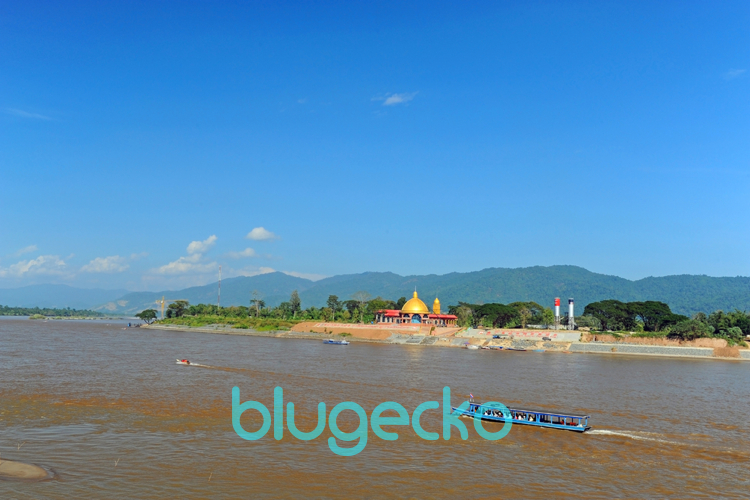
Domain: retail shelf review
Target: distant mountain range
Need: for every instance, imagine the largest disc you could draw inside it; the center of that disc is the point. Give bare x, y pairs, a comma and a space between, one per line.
686, 294
57, 296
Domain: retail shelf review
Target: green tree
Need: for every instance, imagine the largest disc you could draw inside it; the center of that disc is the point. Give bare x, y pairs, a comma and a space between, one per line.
334, 305
400, 303
295, 304
257, 302
177, 309
465, 316
379, 303
284, 310
733, 334
613, 314
327, 314
587, 322
690, 329
361, 297
499, 314
654, 315
548, 316
732, 326
535, 311
148, 315
525, 314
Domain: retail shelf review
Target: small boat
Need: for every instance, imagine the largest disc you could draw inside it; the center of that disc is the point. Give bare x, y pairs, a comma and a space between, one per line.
335, 342
492, 413
472, 347
514, 349
183, 362
538, 350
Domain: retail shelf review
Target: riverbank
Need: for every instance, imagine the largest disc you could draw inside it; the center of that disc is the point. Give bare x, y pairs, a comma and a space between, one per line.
460, 340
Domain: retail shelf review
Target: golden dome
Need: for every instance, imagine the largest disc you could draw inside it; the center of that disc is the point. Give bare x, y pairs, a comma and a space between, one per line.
415, 306
436, 306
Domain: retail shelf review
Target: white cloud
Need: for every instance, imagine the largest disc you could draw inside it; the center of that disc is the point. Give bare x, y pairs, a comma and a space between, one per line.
734, 73
26, 114
42, 265
24, 250
190, 264
194, 262
198, 247
248, 252
111, 264
307, 276
393, 99
261, 234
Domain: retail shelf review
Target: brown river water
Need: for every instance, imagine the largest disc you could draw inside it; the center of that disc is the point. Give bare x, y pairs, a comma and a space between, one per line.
111, 414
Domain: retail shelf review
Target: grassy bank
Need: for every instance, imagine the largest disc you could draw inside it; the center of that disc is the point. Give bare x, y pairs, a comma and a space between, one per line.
248, 323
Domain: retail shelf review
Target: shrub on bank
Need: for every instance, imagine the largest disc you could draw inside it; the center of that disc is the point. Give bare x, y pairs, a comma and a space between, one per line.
258, 324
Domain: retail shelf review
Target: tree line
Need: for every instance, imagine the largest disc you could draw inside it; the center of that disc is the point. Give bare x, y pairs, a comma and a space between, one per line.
657, 318
361, 308
48, 311
648, 318
496, 315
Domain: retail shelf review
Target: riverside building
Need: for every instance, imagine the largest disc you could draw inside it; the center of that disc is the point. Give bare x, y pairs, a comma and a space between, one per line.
415, 311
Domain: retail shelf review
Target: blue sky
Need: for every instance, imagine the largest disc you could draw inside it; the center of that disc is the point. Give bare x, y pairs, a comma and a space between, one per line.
141, 143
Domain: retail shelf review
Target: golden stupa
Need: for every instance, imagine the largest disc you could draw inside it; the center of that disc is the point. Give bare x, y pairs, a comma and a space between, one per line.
415, 306
436, 306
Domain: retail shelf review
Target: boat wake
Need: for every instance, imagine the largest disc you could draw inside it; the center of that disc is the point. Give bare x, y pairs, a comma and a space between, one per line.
640, 436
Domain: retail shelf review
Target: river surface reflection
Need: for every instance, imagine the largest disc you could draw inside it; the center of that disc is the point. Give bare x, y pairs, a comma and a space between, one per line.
111, 413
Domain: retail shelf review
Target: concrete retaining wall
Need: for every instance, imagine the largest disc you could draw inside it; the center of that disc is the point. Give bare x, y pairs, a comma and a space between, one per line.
703, 352
744, 354
555, 335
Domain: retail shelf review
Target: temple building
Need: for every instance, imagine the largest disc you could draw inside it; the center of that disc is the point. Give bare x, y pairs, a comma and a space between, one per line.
415, 311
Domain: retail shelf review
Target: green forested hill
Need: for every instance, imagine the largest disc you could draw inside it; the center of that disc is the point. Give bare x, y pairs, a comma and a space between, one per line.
686, 294
275, 287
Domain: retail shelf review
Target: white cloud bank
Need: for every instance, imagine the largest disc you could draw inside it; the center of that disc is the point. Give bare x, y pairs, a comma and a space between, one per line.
250, 271
201, 246
26, 114
111, 264
393, 99
50, 265
25, 250
307, 276
261, 234
248, 252
734, 73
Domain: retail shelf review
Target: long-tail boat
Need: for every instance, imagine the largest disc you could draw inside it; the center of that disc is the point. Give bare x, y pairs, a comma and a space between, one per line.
538, 418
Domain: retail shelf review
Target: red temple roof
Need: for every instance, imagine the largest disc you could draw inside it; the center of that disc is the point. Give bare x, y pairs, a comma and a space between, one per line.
391, 313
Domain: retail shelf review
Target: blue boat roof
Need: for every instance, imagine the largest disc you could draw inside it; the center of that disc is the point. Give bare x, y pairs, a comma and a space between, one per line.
540, 412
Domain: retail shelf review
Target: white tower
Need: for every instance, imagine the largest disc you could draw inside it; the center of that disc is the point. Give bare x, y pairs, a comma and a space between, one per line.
571, 316
557, 313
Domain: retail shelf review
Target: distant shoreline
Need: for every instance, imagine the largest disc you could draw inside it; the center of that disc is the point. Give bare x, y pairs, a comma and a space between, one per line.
562, 347
79, 318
